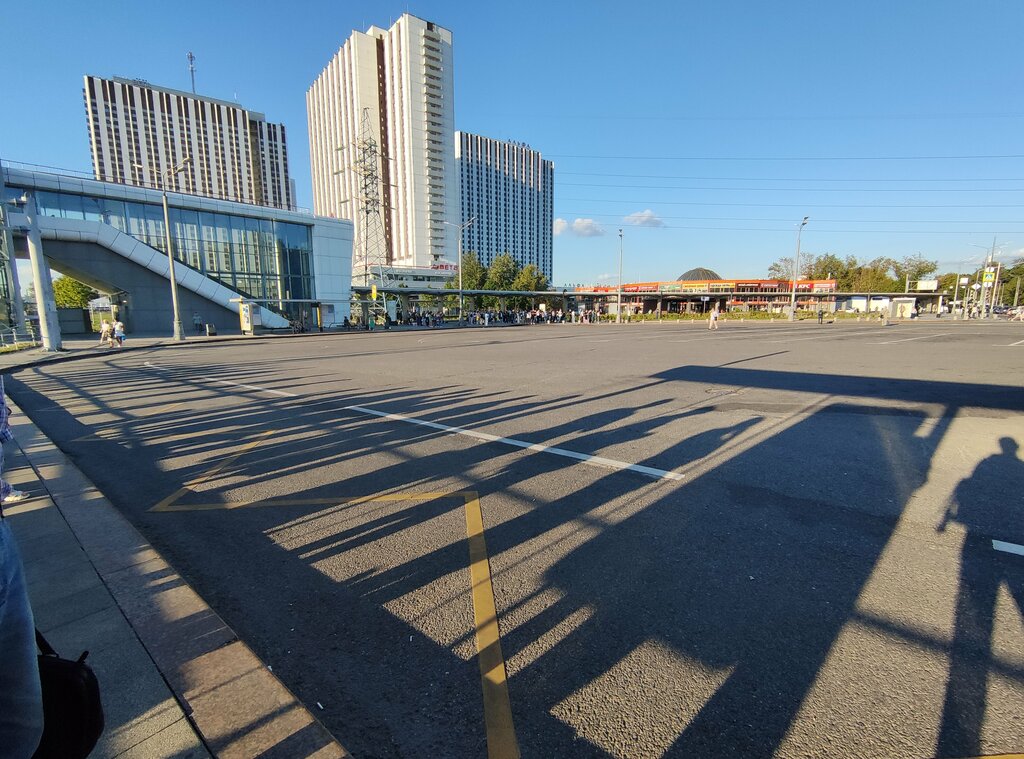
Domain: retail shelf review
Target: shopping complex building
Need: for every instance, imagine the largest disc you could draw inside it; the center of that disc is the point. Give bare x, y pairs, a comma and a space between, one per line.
700, 290
112, 237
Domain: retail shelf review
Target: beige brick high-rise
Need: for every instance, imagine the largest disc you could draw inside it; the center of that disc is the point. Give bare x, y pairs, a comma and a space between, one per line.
138, 131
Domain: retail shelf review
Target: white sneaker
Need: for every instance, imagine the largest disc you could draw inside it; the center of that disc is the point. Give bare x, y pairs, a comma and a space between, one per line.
16, 495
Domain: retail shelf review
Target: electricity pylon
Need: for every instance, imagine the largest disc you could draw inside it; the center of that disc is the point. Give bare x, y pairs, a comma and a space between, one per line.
370, 264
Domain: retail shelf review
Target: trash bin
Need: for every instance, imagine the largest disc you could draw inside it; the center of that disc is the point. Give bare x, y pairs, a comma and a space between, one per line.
211, 330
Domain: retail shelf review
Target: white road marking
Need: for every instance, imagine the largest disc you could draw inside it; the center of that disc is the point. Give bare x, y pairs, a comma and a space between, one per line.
253, 387
908, 339
1011, 345
586, 458
1000, 545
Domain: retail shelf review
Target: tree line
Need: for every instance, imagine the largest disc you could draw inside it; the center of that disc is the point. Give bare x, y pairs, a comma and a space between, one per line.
887, 275
504, 273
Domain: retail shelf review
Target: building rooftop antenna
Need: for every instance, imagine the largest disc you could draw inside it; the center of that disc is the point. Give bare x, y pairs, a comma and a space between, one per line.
192, 69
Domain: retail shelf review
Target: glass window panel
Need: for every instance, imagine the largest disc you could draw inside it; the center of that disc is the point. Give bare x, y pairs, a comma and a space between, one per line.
136, 220
155, 227
185, 230
246, 285
236, 224
93, 209
48, 203
209, 243
71, 205
112, 212
10, 193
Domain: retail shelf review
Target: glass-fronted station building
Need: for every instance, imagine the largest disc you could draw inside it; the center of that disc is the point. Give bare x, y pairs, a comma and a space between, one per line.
112, 237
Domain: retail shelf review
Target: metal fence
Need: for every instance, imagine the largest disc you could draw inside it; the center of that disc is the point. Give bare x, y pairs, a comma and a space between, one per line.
15, 337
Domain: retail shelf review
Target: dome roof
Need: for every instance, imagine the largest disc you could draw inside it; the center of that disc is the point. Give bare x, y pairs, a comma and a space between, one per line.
699, 274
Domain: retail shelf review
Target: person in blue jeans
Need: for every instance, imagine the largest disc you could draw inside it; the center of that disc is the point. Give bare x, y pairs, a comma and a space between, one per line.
21, 699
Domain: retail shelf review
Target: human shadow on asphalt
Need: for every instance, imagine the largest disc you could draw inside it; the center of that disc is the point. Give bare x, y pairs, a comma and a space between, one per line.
987, 504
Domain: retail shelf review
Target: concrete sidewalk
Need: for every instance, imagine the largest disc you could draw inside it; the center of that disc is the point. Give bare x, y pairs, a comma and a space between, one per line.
175, 679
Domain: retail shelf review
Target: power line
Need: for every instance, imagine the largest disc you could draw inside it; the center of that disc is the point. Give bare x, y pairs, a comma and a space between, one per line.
793, 189
790, 158
788, 230
817, 220
760, 117
776, 179
634, 201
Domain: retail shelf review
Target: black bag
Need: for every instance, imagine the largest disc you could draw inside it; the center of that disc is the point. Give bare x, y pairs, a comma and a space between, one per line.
72, 712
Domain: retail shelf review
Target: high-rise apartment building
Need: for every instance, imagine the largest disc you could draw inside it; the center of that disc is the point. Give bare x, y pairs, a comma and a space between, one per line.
400, 79
138, 132
507, 190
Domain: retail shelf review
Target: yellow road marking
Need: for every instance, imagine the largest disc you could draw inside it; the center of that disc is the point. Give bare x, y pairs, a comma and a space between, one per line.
167, 503
157, 411
501, 734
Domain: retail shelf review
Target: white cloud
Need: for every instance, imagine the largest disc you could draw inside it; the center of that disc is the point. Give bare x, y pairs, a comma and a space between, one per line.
559, 226
605, 277
586, 228
644, 219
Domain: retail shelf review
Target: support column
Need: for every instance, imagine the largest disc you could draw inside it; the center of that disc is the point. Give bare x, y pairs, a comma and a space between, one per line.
49, 326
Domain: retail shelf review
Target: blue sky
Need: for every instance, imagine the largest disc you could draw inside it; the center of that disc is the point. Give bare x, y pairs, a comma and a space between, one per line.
705, 130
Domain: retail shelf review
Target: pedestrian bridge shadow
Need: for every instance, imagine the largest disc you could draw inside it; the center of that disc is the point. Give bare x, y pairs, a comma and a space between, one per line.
686, 620
742, 579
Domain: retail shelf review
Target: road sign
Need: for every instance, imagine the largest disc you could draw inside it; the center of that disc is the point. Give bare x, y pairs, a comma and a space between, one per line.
975, 286
705, 298
964, 280
373, 292
988, 276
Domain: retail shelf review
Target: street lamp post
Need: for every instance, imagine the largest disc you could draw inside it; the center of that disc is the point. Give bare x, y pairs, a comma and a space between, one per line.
169, 175
796, 271
618, 308
956, 290
464, 225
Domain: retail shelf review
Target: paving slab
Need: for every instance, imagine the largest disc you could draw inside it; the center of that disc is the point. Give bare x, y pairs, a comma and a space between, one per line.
175, 680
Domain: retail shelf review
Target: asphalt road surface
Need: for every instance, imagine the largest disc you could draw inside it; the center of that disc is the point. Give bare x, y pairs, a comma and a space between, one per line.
769, 540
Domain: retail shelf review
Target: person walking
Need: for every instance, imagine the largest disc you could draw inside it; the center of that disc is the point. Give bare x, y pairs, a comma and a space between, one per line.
119, 333
21, 698
713, 318
197, 322
106, 330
